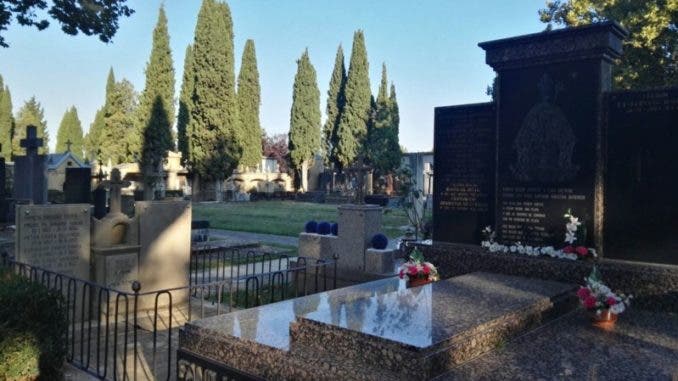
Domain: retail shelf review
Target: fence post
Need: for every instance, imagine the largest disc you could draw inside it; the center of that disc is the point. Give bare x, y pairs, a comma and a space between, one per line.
136, 286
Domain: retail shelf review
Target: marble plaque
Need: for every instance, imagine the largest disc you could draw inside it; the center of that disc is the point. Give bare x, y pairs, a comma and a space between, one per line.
641, 218
54, 237
464, 139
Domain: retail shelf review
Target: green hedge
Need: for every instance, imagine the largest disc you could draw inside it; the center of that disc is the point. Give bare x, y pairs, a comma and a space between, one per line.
33, 330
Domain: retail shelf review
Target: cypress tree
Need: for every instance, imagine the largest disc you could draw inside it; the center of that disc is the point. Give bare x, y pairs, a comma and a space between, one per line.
213, 151
249, 99
304, 138
381, 151
356, 114
185, 104
94, 138
31, 113
118, 124
6, 121
156, 108
335, 105
70, 130
393, 151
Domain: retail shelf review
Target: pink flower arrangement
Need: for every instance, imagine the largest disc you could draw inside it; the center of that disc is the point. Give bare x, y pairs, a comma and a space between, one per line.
417, 268
597, 297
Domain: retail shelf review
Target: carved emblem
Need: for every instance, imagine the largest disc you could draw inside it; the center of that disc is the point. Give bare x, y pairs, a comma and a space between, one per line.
545, 142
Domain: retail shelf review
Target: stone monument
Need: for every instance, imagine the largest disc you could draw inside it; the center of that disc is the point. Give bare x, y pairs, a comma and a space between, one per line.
30, 171
55, 238
115, 241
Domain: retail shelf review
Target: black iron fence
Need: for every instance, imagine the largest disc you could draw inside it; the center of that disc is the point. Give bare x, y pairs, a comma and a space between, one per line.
112, 335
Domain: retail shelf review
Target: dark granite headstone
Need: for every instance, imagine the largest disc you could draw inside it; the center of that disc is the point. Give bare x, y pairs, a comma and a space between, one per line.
78, 185
641, 221
30, 171
99, 196
464, 156
3, 191
549, 140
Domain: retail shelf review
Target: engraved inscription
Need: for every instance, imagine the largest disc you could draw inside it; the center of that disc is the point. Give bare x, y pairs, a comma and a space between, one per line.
55, 238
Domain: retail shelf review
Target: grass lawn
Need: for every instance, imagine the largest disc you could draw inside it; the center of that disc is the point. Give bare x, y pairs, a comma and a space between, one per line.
281, 217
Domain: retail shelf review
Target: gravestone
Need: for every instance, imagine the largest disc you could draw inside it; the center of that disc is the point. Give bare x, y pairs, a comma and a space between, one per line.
521, 163
642, 175
54, 237
464, 154
549, 149
99, 195
30, 171
78, 185
165, 240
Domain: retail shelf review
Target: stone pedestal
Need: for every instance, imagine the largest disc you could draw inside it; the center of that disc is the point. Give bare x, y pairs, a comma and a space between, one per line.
357, 225
317, 245
116, 266
380, 261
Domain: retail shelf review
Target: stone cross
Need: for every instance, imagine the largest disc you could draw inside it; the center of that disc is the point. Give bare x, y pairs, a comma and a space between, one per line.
69, 143
115, 185
360, 169
32, 142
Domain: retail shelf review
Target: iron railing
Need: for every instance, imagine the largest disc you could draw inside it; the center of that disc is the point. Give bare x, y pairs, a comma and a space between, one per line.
112, 335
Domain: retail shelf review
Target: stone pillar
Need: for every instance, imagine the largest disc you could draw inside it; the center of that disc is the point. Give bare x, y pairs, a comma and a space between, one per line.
369, 183
357, 225
304, 176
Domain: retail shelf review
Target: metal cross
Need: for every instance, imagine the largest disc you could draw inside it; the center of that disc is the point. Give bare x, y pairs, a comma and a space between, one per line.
32, 142
68, 145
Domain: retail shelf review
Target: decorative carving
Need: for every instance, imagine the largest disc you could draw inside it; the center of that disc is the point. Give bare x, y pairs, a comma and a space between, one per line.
545, 142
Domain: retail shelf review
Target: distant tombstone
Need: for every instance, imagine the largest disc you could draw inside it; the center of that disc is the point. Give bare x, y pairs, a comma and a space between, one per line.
78, 185
641, 219
54, 237
464, 188
30, 171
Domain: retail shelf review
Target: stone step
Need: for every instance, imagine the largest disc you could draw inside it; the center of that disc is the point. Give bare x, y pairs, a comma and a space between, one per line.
424, 331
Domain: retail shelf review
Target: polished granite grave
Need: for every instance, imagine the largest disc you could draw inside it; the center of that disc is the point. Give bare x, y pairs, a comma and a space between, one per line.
375, 330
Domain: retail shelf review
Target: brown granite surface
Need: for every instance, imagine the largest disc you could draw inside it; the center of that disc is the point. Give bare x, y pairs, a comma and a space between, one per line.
654, 286
377, 330
643, 346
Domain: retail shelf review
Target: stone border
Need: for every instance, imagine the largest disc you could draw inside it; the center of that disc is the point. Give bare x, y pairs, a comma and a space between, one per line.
654, 286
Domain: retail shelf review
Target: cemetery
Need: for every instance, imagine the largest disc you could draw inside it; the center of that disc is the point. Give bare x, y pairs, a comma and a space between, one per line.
543, 246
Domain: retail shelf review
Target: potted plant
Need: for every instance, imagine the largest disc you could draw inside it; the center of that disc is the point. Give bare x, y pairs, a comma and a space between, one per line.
603, 304
417, 271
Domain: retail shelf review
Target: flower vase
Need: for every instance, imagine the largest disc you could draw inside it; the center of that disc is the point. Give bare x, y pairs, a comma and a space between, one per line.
416, 282
606, 319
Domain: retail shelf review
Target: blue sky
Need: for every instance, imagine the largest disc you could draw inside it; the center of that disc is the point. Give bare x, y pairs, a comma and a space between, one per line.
429, 47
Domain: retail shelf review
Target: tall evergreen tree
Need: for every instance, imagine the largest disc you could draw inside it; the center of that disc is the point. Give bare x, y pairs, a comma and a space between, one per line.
185, 104
304, 138
70, 131
94, 138
356, 114
394, 153
213, 150
376, 143
6, 121
249, 99
156, 108
118, 124
31, 113
335, 106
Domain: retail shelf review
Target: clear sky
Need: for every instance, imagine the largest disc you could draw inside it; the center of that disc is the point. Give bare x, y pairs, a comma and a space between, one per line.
429, 47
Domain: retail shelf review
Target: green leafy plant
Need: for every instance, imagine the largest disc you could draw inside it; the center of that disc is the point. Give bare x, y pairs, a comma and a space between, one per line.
33, 328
